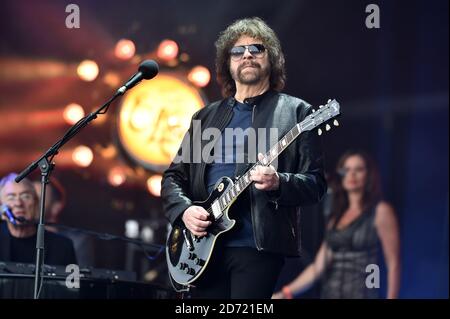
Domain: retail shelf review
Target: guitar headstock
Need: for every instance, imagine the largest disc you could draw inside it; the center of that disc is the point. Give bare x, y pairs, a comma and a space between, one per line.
322, 116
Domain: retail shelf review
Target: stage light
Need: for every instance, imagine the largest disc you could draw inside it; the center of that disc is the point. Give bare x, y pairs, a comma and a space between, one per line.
147, 234
112, 79
124, 49
184, 57
167, 50
131, 228
87, 70
172, 121
141, 117
151, 275
154, 185
73, 113
108, 152
153, 120
82, 156
199, 76
117, 176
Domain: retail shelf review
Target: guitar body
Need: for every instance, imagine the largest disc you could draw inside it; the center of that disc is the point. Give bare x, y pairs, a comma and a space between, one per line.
188, 256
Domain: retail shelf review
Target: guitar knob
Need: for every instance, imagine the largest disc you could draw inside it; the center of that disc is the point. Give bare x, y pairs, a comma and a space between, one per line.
199, 261
192, 256
183, 266
190, 271
336, 123
327, 127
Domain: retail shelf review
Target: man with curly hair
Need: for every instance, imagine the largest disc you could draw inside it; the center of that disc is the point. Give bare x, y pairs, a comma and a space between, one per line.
248, 259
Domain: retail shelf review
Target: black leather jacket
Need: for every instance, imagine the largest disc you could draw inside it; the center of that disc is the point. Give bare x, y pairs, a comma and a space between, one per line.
300, 169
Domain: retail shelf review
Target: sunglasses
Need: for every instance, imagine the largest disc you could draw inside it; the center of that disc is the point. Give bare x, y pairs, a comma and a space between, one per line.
256, 50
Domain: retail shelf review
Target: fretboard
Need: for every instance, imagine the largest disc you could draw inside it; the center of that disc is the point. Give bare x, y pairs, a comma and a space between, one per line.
244, 181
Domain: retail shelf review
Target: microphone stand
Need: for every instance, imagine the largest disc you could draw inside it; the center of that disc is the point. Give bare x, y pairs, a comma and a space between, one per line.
46, 165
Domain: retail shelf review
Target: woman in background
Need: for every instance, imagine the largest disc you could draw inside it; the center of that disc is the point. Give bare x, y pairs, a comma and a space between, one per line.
358, 222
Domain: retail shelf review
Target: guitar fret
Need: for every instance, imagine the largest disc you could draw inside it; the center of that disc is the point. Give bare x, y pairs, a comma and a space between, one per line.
295, 130
274, 152
244, 180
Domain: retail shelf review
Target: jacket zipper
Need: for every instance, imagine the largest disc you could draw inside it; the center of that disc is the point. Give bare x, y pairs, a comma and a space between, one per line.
253, 113
258, 247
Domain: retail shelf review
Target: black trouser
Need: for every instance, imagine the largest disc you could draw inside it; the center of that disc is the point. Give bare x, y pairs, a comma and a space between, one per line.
239, 273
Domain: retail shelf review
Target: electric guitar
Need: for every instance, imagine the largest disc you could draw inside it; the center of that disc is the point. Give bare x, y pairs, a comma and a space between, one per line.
187, 255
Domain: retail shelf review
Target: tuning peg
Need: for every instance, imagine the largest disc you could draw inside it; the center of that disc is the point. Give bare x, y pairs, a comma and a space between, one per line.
320, 106
327, 127
335, 123
329, 100
319, 131
313, 110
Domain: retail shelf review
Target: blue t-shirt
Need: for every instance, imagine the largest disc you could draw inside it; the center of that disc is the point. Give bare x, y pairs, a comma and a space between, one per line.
224, 164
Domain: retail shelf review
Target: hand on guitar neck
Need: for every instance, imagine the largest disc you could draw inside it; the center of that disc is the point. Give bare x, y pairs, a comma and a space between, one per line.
195, 219
265, 177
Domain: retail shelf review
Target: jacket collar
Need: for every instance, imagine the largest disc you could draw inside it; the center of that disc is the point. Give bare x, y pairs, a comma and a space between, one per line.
254, 100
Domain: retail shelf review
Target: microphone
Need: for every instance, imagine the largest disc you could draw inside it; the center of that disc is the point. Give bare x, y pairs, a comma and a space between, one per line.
7, 211
148, 69
12, 219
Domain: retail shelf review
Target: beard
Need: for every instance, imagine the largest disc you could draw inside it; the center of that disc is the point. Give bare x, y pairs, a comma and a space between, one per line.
250, 76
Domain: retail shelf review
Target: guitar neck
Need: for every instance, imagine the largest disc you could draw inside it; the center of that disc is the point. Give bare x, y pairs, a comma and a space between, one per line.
244, 181
329, 111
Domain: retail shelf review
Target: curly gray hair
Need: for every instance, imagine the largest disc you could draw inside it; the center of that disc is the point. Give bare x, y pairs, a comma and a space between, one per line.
258, 29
